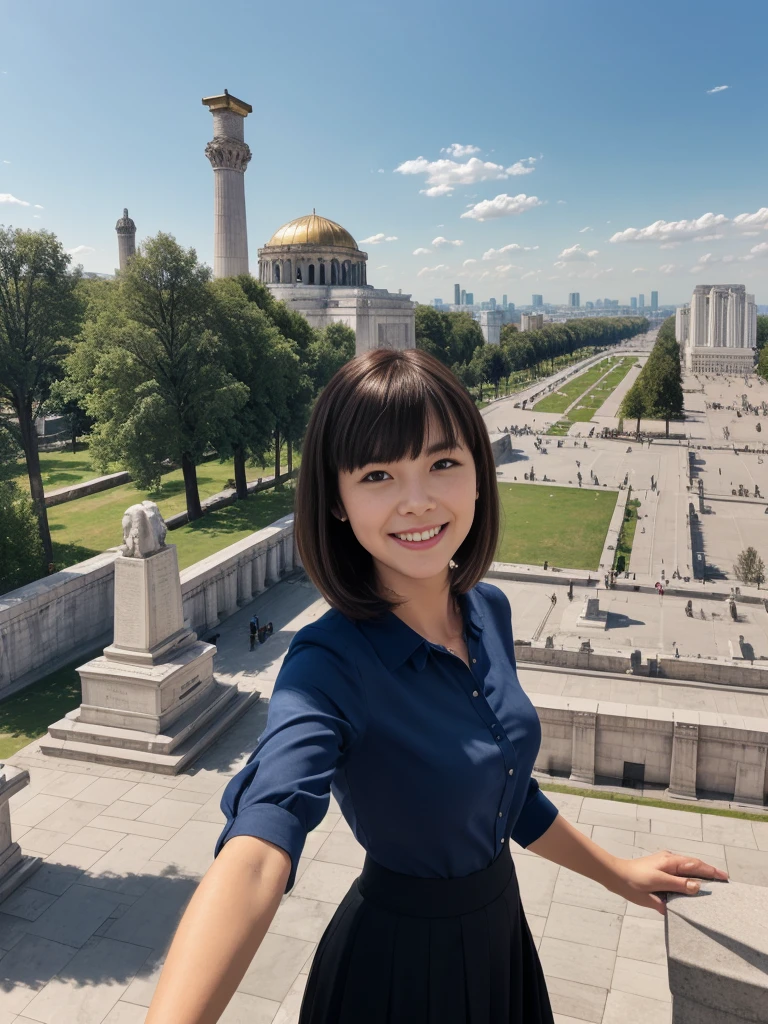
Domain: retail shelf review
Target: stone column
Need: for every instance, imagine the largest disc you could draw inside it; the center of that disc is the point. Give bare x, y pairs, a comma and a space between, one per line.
288, 549
750, 780
230, 591
14, 867
211, 596
244, 577
229, 155
259, 572
272, 575
583, 747
685, 750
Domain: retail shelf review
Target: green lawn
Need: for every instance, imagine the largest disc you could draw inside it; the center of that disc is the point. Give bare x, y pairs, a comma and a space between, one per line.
559, 401
63, 469
564, 525
27, 715
560, 428
589, 405
627, 534
90, 525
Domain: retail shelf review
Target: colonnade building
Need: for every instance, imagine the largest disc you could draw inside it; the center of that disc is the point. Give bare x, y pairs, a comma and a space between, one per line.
717, 332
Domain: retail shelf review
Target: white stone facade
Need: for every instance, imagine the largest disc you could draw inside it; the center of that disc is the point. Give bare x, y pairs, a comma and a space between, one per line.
531, 322
490, 324
721, 330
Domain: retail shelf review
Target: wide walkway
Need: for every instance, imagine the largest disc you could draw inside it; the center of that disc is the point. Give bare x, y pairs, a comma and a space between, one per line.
84, 940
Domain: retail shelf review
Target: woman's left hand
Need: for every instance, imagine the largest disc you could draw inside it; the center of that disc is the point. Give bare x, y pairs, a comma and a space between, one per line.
642, 880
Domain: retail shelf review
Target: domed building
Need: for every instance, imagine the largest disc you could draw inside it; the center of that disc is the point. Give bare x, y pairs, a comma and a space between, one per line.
315, 266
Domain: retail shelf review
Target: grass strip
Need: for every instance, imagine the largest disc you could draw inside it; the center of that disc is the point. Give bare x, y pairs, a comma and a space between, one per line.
558, 401
586, 409
626, 536
621, 798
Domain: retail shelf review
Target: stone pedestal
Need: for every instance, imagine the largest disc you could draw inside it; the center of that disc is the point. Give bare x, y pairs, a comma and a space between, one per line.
750, 780
592, 617
717, 950
685, 752
151, 700
15, 868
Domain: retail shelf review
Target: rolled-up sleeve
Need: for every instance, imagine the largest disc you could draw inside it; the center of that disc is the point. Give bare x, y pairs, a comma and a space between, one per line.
316, 713
537, 814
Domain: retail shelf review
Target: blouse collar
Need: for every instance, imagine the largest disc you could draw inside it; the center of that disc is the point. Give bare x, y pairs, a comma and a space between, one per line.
394, 641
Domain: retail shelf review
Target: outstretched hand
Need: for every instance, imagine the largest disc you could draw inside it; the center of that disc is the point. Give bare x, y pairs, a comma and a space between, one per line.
645, 880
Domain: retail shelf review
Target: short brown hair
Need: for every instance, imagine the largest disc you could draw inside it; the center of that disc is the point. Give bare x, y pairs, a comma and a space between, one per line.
376, 409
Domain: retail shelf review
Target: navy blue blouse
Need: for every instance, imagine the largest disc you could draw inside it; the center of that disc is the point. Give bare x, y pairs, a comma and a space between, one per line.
429, 760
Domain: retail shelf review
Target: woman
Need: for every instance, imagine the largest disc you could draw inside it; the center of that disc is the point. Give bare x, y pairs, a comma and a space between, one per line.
403, 700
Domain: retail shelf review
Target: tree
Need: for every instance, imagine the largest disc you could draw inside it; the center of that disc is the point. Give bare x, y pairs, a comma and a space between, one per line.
464, 336
762, 363
663, 388
164, 393
749, 567
39, 312
21, 549
508, 331
332, 348
633, 406
762, 332
432, 332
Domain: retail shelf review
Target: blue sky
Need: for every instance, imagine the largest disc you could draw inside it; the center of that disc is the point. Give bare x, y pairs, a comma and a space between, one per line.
592, 147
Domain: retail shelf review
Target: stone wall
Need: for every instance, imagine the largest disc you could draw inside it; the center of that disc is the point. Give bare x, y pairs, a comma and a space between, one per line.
69, 614
98, 483
686, 751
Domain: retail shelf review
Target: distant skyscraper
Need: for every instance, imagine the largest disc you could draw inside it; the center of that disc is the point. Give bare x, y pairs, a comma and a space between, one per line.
532, 322
574, 300
493, 303
537, 301
599, 304
126, 239
719, 330
633, 302
510, 307
641, 301
457, 294
470, 298
654, 300
503, 301
437, 302
463, 297
589, 305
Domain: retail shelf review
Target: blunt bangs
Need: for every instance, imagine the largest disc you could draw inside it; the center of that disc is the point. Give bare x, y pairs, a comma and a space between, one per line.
378, 408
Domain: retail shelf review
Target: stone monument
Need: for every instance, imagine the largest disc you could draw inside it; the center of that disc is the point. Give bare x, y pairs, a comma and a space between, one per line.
15, 868
151, 700
592, 617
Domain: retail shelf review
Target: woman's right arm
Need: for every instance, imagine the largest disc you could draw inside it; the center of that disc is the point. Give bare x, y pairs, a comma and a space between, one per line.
220, 932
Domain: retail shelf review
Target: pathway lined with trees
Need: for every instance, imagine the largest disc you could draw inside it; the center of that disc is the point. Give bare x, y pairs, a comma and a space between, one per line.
658, 391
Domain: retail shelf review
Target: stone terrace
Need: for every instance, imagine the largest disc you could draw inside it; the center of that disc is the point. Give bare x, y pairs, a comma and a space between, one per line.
84, 939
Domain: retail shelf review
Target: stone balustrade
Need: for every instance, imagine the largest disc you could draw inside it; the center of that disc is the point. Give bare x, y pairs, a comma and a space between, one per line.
717, 952
686, 751
69, 615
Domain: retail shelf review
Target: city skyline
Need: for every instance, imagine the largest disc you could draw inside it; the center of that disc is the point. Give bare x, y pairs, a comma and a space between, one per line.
506, 204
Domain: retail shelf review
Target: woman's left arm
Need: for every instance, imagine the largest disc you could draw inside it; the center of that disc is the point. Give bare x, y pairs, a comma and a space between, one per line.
640, 880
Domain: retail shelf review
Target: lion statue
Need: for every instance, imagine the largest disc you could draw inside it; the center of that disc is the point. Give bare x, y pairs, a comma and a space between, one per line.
144, 530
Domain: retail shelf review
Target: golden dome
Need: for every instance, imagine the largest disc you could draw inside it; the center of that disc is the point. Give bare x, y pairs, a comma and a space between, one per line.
312, 230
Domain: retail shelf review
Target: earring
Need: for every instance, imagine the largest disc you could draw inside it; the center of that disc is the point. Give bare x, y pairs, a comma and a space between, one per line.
452, 565
343, 519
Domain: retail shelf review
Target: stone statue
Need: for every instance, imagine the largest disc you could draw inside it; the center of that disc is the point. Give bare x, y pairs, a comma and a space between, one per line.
144, 530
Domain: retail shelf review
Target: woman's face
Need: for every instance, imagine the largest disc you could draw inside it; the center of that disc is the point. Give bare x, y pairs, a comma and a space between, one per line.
434, 494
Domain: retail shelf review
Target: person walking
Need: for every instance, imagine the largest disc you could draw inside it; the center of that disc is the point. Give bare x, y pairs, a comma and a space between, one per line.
403, 701
253, 629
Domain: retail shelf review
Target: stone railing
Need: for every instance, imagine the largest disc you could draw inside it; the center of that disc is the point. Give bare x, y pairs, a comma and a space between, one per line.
686, 751
69, 614
717, 952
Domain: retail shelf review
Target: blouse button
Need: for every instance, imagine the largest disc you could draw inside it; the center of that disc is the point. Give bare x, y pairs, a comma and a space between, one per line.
498, 737
502, 840
499, 813
511, 771
474, 661
475, 693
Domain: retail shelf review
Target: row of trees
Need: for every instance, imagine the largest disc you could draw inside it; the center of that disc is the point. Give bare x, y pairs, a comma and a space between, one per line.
657, 393
163, 363
456, 339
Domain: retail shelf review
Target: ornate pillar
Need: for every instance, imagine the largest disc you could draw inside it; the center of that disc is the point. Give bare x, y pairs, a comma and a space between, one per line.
288, 547
259, 572
583, 747
685, 751
244, 577
211, 596
229, 155
273, 574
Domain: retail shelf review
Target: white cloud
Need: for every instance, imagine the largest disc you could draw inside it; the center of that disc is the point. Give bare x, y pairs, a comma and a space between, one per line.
39, 207
444, 175
382, 267
35, 216
525, 166
502, 206
381, 171
640, 271
718, 88
671, 245
670, 230
576, 253
432, 270
6, 197
440, 241
6, 161
468, 263
561, 202
584, 230
456, 149
667, 268
750, 234
709, 238
378, 239
81, 250
759, 219
421, 252
760, 250
491, 254
531, 273
504, 268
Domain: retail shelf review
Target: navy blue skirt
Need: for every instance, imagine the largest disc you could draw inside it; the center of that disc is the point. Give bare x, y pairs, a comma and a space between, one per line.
406, 950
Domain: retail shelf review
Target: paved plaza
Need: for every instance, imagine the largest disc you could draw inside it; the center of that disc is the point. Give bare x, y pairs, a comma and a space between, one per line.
84, 940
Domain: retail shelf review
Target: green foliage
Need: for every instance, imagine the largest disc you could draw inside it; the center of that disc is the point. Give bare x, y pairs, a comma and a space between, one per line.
762, 332
490, 363
633, 406
658, 391
749, 567
21, 549
333, 347
762, 363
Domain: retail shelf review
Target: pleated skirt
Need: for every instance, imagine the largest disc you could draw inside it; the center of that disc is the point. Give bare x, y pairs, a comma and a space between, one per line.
406, 950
